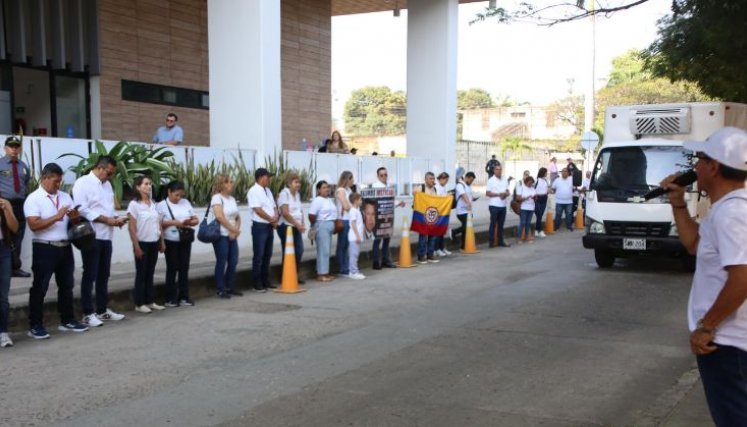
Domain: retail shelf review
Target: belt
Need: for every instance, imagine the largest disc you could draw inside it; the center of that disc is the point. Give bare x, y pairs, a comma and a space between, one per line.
56, 243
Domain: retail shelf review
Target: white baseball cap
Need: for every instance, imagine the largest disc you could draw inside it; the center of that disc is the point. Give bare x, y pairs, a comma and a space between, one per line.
727, 146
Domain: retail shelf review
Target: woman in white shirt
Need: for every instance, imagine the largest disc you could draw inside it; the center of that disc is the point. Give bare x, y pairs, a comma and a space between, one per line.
542, 188
526, 196
226, 211
147, 241
177, 214
342, 199
291, 215
322, 216
8, 224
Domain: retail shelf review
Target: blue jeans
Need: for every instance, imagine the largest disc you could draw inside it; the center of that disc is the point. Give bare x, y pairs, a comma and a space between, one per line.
323, 245
497, 221
525, 223
262, 240
96, 269
297, 244
145, 267
568, 209
724, 377
539, 210
342, 248
226, 259
48, 260
5, 268
381, 248
426, 246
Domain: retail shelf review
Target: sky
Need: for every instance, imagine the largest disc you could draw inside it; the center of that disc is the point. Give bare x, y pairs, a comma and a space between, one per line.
521, 60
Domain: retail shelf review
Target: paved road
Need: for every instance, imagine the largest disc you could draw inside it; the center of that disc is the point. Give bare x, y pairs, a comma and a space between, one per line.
531, 335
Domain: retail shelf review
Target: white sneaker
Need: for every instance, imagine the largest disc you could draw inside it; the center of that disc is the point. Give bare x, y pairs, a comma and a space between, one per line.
143, 309
542, 234
536, 233
155, 306
447, 252
92, 320
356, 276
5, 340
111, 315
439, 253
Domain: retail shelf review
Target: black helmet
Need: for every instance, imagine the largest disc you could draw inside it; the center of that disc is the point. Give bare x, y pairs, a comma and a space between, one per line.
82, 234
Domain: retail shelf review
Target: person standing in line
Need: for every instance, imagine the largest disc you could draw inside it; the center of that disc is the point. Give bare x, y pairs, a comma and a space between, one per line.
464, 204
177, 214
355, 236
585, 187
8, 225
342, 199
563, 190
322, 216
171, 133
147, 242
264, 221
94, 193
14, 177
541, 187
381, 256
225, 210
291, 215
48, 212
427, 244
716, 310
526, 197
443, 179
498, 192
553, 169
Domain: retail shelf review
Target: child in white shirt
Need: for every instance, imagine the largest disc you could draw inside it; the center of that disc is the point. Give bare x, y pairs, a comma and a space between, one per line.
355, 235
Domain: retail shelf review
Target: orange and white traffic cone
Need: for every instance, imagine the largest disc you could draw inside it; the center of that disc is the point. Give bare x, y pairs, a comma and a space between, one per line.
579, 225
289, 283
469, 237
549, 227
405, 251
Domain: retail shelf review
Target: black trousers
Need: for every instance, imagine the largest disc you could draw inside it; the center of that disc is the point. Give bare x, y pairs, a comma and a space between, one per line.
177, 263
48, 260
145, 267
18, 237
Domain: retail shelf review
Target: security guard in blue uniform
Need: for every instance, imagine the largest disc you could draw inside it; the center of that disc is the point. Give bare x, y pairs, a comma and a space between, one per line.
14, 177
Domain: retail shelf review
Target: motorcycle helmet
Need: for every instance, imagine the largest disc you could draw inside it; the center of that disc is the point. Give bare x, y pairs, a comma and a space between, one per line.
82, 234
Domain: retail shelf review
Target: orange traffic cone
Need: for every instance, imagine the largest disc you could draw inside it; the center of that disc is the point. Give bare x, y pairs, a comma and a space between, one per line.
579, 218
549, 227
289, 283
405, 252
469, 237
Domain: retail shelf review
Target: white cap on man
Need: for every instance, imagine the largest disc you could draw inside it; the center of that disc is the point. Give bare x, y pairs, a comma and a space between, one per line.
727, 146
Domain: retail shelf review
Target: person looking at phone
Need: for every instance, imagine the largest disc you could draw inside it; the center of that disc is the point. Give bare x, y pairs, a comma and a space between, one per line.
94, 193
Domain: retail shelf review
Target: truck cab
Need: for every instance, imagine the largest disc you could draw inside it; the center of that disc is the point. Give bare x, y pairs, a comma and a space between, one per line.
643, 145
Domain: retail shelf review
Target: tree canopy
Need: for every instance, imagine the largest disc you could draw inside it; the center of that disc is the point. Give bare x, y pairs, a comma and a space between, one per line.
376, 110
474, 98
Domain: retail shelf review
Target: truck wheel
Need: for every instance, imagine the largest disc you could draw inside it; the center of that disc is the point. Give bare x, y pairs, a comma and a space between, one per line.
604, 258
688, 263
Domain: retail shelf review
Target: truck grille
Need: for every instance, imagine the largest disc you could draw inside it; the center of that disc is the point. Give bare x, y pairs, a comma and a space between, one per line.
643, 229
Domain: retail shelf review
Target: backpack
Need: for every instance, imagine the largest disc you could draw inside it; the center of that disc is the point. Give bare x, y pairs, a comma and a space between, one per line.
453, 197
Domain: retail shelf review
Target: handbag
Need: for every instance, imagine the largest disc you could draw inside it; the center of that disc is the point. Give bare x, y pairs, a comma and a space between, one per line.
208, 232
338, 226
515, 205
186, 234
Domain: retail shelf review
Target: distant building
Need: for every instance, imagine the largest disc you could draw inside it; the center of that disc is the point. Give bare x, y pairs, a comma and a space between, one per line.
525, 121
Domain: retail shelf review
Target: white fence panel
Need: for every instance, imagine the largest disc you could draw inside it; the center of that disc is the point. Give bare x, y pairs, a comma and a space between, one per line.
418, 168
371, 163
299, 160
50, 150
326, 168
346, 162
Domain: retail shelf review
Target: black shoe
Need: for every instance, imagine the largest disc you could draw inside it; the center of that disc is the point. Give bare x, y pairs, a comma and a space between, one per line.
224, 295
21, 273
301, 282
271, 286
260, 290
235, 293
377, 266
390, 265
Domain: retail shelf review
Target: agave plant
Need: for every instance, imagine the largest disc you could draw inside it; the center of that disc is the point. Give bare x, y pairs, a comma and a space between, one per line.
132, 160
279, 167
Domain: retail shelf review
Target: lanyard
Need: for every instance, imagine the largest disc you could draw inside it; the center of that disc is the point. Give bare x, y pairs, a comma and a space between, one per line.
55, 201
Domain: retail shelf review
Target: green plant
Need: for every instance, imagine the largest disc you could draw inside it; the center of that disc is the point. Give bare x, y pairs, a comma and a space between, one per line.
132, 160
198, 179
279, 166
514, 145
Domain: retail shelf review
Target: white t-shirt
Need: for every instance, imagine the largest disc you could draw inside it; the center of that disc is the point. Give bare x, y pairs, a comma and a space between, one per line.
323, 208
563, 190
462, 188
148, 220
541, 187
340, 213
497, 185
355, 215
182, 210
723, 233
44, 205
527, 203
441, 190
379, 184
294, 205
230, 211
261, 197
96, 199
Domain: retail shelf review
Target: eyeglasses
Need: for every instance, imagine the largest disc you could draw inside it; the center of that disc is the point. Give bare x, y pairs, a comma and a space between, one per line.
170, 120
383, 174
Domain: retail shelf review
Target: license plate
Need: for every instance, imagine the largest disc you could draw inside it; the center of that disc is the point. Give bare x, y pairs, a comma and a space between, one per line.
634, 244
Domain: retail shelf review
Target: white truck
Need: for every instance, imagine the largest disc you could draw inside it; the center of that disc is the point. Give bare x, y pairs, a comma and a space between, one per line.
642, 145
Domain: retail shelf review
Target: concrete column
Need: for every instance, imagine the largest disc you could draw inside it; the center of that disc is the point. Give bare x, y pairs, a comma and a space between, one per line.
244, 55
431, 79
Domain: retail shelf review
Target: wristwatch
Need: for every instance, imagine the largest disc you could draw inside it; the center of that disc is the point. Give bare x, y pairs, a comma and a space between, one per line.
701, 327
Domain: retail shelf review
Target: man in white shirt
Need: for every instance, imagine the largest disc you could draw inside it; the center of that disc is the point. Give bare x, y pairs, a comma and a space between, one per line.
563, 190
94, 193
464, 203
264, 220
717, 312
381, 245
585, 186
48, 212
497, 191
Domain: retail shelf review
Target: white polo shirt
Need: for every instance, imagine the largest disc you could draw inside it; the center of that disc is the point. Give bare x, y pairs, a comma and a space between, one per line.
181, 211
497, 185
44, 205
563, 190
148, 220
95, 198
379, 184
723, 233
294, 205
527, 202
261, 197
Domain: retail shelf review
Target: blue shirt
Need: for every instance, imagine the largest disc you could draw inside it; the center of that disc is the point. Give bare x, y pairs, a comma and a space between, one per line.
164, 134
7, 190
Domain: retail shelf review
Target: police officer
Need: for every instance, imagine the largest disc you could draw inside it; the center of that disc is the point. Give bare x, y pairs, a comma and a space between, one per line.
14, 176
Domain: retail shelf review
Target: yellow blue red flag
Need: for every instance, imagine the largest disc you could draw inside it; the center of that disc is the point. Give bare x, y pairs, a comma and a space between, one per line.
430, 214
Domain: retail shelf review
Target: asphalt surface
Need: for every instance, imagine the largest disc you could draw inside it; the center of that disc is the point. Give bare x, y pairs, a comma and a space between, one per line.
525, 336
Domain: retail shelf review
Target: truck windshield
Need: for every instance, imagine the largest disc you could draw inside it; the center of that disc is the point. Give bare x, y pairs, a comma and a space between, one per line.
624, 172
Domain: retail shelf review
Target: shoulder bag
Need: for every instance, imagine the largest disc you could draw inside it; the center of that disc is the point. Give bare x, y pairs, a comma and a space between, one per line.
208, 232
186, 234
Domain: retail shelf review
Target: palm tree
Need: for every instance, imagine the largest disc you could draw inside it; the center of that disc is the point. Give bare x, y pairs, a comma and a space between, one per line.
515, 146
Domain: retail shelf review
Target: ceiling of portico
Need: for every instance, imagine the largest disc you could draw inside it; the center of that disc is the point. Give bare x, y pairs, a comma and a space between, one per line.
349, 7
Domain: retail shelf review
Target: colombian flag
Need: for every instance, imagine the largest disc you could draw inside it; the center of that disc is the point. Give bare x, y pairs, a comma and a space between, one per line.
430, 214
